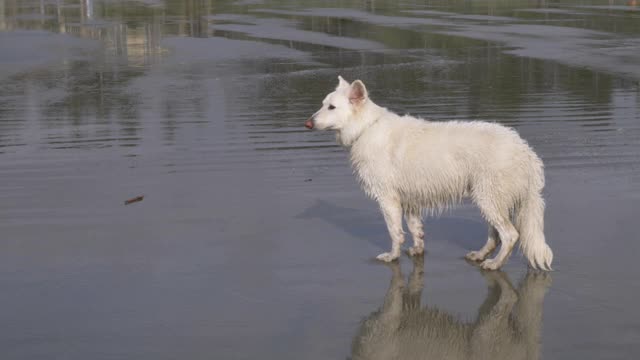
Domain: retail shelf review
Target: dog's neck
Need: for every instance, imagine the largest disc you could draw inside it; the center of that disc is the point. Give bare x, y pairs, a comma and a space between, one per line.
368, 115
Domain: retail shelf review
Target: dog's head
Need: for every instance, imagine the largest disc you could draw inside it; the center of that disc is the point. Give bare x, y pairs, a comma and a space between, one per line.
339, 107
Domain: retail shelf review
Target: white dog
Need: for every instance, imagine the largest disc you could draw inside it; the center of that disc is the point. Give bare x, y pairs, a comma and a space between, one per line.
408, 164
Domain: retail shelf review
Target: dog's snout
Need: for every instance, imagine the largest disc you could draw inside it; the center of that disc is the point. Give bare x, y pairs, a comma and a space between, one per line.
309, 123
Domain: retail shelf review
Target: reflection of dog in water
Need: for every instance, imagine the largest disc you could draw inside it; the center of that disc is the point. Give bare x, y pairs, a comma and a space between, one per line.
507, 327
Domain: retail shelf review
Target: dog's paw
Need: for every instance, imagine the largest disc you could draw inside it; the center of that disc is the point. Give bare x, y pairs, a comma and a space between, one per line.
415, 251
474, 256
490, 264
386, 257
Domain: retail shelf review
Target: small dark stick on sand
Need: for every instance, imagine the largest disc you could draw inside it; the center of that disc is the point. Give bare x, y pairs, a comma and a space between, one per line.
134, 200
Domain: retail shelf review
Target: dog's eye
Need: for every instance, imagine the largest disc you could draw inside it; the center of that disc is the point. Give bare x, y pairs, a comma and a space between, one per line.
331, 107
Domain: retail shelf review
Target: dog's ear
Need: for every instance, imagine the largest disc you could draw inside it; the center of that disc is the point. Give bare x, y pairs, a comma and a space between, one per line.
342, 83
357, 93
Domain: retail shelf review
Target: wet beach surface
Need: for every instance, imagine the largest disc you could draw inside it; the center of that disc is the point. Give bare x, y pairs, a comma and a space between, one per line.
253, 239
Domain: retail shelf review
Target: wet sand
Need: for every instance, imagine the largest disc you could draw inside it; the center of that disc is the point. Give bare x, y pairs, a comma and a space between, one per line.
253, 239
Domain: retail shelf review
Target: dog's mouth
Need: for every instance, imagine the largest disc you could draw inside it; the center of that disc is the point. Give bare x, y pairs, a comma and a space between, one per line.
309, 123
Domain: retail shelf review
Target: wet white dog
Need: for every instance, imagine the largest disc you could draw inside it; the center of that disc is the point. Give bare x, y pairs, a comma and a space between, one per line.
408, 165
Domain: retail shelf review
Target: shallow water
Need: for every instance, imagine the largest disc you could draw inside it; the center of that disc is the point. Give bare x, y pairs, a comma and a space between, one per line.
253, 239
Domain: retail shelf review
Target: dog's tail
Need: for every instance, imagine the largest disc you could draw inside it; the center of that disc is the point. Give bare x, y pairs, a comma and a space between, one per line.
529, 219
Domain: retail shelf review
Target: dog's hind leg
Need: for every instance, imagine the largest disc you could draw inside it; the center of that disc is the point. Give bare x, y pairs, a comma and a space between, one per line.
392, 211
499, 219
414, 223
492, 243
508, 237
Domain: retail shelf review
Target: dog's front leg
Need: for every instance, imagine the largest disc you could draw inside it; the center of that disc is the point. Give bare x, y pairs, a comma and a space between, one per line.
414, 223
392, 211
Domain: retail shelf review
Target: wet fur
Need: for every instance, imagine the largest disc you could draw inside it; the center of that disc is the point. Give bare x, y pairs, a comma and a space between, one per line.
408, 165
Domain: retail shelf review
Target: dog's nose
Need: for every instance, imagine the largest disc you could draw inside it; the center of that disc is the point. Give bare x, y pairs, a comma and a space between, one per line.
309, 123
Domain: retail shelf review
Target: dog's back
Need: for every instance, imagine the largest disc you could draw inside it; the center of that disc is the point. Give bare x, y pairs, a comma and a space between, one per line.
435, 164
